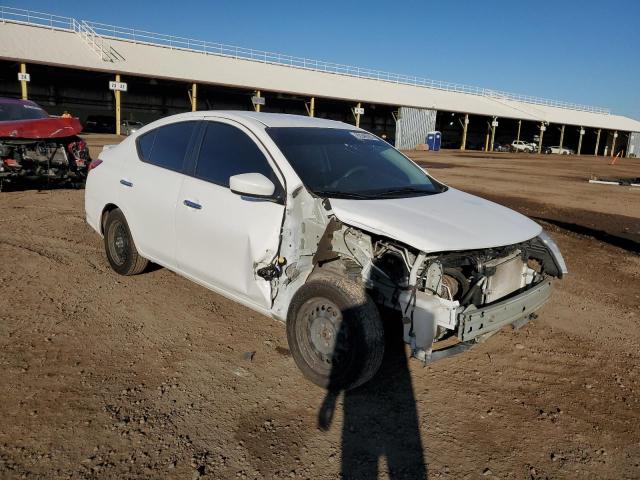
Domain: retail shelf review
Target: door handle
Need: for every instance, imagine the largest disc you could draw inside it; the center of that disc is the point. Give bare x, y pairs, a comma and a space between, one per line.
126, 183
193, 205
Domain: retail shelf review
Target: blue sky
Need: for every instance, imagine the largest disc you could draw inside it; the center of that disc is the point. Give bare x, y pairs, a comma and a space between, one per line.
579, 51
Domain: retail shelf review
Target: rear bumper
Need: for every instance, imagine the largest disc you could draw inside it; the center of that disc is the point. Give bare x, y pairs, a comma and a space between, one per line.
473, 322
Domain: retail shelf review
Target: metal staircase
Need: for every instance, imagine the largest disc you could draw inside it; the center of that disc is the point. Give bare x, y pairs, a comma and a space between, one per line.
99, 44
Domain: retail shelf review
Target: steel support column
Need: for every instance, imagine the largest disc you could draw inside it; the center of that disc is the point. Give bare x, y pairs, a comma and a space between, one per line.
194, 97
464, 132
117, 95
597, 142
561, 140
494, 124
312, 107
358, 114
542, 129
23, 82
580, 140
519, 128
486, 139
613, 144
257, 106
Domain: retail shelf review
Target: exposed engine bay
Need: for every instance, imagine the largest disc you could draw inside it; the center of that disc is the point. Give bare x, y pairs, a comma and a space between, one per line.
35, 146
463, 296
54, 159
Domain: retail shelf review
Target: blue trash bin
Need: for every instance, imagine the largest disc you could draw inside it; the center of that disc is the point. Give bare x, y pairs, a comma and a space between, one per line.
434, 139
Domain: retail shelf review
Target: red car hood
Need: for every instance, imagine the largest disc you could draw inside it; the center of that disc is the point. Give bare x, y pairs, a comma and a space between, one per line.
41, 128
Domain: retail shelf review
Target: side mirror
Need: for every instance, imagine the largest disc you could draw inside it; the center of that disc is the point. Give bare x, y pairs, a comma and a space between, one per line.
252, 185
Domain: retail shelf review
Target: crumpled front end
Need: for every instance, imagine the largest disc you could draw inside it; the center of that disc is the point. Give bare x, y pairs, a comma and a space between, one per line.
447, 299
455, 299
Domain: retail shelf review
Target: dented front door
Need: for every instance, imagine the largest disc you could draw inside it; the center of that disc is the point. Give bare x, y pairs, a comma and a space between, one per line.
223, 237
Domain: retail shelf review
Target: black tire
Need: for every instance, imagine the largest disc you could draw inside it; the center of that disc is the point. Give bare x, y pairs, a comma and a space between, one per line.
335, 333
119, 247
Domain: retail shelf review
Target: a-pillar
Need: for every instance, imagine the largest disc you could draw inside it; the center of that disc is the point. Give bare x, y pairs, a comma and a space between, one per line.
494, 124
580, 140
595, 153
561, 139
117, 94
465, 127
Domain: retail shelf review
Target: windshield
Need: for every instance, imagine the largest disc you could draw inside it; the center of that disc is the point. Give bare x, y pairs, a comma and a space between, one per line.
16, 110
341, 163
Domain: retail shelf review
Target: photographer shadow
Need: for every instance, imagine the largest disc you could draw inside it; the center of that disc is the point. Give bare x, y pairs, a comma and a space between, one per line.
380, 419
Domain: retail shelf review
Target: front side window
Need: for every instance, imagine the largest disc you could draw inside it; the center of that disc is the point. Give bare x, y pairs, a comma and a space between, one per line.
344, 163
227, 151
166, 146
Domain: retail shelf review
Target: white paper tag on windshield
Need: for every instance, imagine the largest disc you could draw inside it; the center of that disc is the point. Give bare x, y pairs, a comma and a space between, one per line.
363, 136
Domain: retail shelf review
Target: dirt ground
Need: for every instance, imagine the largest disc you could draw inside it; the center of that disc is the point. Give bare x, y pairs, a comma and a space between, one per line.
155, 377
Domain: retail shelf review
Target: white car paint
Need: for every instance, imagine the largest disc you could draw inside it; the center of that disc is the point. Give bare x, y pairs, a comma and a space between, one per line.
448, 221
522, 146
221, 238
219, 245
560, 151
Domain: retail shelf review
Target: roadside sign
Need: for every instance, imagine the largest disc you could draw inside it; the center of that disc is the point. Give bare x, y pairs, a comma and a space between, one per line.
24, 77
358, 110
258, 100
582, 131
494, 123
543, 128
121, 86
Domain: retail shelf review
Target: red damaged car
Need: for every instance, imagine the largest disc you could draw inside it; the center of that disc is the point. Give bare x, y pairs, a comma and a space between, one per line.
35, 146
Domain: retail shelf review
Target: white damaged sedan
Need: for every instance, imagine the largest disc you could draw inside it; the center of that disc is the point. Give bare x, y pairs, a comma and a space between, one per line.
320, 225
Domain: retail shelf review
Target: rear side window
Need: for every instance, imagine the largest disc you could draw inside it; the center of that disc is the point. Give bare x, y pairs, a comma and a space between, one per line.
166, 146
228, 151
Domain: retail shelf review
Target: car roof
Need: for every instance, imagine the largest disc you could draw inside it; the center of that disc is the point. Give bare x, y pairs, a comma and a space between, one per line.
269, 119
17, 101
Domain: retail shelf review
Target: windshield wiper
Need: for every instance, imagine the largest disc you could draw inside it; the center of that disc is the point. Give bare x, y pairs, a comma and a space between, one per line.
398, 191
337, 194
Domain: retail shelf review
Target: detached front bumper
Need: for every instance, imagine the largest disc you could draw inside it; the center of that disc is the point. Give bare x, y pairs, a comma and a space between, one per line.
473, 321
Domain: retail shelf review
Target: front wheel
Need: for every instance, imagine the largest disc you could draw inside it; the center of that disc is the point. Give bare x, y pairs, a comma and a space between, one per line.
335, 333
121, 252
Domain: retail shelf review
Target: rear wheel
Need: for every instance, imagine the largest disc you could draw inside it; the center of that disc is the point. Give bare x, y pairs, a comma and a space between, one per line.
119, 247
335, 333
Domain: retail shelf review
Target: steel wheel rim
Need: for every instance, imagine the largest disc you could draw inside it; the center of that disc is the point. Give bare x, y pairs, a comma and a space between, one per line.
119, 243
323, 338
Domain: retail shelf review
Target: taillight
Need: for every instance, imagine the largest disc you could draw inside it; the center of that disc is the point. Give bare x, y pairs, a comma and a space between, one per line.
94, 164
80, 145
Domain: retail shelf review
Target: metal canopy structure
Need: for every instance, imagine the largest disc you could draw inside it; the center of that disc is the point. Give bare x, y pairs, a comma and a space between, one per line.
35, 37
